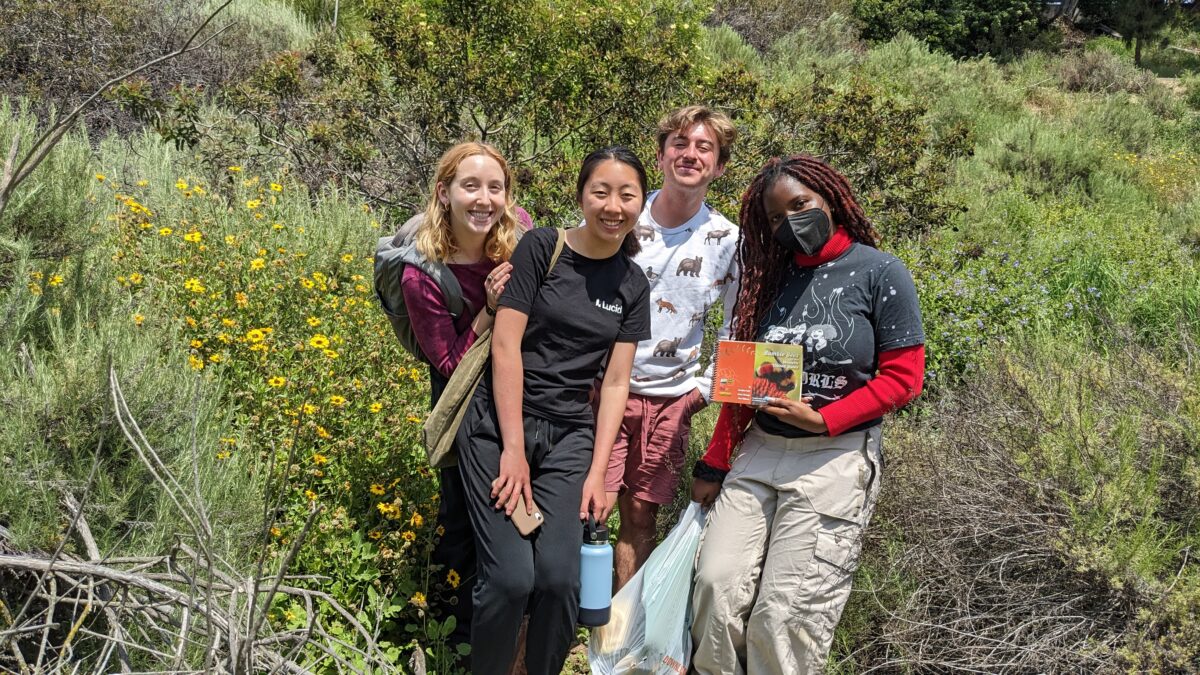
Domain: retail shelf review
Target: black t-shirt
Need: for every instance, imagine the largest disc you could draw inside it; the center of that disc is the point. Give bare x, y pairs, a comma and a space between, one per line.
575, 316
845, 312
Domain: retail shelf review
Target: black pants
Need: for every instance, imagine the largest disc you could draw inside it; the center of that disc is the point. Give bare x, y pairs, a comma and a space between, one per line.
455, 549
540, 572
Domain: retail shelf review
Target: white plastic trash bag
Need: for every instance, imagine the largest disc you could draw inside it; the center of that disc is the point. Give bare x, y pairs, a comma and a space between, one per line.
650, 627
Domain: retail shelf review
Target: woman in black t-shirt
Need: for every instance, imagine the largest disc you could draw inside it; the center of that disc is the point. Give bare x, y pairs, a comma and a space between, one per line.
529, 435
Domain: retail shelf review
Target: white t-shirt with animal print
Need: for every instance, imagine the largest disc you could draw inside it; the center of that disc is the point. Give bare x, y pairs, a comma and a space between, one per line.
690, 268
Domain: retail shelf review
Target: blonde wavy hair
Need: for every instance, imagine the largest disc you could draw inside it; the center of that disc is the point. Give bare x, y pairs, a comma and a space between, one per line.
435, 239
685, 118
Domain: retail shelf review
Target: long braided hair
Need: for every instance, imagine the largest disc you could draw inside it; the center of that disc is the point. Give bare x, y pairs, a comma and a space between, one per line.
760, 258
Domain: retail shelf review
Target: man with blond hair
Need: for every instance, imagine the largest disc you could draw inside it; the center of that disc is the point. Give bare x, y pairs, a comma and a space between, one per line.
688, 256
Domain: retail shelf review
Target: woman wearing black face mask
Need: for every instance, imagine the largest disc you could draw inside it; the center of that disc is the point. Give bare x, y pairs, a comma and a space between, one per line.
783, 536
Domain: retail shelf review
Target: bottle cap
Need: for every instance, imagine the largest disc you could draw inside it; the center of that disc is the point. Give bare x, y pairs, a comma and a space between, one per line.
595, 533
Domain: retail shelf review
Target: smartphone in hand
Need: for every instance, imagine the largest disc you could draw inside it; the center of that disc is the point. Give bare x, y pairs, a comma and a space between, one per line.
526, 523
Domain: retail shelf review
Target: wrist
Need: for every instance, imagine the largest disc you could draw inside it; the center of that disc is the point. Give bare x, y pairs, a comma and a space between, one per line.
703, 471
489, 309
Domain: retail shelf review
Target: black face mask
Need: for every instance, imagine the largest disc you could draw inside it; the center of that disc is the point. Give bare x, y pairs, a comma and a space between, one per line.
805, 232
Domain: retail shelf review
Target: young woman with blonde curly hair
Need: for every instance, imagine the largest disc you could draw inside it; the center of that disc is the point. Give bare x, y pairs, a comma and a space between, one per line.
471, 225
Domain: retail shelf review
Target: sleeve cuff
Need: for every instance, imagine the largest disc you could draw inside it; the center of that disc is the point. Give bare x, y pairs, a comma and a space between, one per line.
711, 474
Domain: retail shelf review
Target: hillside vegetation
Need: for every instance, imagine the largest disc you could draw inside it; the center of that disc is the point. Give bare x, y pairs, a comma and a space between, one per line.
198, 373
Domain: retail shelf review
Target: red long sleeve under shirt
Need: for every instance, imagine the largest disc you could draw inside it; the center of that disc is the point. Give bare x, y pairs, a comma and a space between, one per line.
898, 380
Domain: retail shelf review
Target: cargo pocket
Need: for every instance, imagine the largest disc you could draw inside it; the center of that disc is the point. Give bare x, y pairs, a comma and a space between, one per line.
817, 605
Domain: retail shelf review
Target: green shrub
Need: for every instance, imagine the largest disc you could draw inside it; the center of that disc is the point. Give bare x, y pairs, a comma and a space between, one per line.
69, 319
1191, 91
1120, 121
962, 28
46, 217
827, 50
1046, 159
895, 163
972, 95
721, 44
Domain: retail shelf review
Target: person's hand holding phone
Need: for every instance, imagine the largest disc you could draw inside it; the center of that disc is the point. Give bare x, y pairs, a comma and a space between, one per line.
513, 482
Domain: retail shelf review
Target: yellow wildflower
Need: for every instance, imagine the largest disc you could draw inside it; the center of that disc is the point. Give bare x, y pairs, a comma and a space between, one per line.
414, 419
376, 407
138, 319
374, 534
235, 169
216, 358
255, 335
195, 285
440, 530
223, 455
309, 409
323, 432
257, 264
193, 237
377, 489
181, 184
347, 257
276, 381
241, 299
417, 520
319, 341
319, 459
55, 279
135, 278
195, 363
388, 509
330, 354
408, 535
314, 321
307, 283
453, 579
310, 495
275, 531
418, 599
254, 203
197, 344
276, 187
337, 400
100, 177
164, 231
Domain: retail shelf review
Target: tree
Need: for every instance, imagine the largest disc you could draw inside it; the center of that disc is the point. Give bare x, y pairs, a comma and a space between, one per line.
959, 27
544, 81
1136, 20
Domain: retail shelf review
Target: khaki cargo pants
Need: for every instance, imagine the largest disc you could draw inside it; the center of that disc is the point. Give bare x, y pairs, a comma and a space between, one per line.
779, 552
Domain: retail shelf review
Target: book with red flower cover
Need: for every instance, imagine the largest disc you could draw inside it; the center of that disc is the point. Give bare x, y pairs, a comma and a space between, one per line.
750, 372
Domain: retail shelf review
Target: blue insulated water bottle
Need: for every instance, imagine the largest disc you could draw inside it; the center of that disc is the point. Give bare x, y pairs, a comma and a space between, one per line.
595, 575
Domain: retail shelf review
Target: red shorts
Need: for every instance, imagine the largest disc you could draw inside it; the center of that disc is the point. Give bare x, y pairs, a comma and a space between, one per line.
647, 457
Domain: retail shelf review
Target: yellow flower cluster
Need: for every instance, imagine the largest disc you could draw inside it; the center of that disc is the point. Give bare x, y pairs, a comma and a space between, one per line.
309, 363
